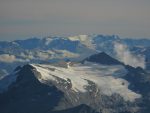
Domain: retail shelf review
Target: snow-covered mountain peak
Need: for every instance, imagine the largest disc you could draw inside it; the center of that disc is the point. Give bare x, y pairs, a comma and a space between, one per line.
77, 77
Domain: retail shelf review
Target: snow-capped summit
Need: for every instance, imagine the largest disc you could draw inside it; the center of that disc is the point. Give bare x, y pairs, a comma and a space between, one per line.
79, 75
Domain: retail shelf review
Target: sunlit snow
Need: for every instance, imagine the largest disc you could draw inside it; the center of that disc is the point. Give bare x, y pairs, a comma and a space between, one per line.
107, 78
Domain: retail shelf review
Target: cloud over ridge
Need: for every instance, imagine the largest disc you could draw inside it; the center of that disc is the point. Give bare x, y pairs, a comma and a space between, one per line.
123, 54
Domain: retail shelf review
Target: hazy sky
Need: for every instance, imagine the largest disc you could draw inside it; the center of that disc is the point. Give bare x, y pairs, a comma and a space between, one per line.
28, 18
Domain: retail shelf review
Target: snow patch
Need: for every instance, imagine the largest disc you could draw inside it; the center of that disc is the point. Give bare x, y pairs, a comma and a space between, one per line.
105, 77
48, 40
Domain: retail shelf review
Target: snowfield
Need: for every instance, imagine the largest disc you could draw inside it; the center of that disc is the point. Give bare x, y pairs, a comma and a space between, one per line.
107, 78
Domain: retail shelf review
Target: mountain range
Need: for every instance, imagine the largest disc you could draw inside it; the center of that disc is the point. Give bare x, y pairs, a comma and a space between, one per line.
53, 49
89, 86
80, 74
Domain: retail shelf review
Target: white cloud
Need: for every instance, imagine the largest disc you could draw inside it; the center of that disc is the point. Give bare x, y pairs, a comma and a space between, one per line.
9, 58
124, 55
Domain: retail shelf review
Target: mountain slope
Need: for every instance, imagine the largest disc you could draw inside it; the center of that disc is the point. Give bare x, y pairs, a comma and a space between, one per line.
27, 94
78, 109
103, 58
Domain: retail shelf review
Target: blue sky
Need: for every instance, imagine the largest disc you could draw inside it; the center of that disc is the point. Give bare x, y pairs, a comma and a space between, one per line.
20, 19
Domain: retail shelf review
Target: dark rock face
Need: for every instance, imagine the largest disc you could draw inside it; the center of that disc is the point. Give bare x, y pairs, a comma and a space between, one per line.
140, 83
78, 109
28, 95
103, 58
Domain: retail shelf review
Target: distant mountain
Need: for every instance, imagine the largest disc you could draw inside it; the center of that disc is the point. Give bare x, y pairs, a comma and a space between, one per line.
54, 49
103, 58
90, 87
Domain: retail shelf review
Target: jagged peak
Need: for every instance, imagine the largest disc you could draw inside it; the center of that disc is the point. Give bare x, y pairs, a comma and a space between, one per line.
103, 58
